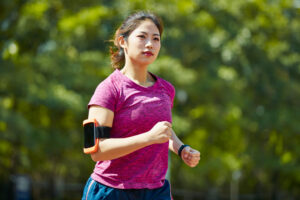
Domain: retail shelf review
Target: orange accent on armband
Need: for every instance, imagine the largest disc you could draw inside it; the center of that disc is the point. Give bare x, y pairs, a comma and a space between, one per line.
94, 148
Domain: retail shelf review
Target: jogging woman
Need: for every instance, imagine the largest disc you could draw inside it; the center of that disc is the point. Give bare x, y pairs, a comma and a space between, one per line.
136, 104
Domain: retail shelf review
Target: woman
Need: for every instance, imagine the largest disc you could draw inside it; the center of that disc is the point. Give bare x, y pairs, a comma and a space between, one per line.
136, 104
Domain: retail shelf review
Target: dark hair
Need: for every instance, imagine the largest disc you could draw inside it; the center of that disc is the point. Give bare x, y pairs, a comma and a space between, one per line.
127, 27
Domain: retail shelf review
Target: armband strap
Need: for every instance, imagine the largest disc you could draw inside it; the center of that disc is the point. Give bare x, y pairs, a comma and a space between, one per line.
181, 148
103, 132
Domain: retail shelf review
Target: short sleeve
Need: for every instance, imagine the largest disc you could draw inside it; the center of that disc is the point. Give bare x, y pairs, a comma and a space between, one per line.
170, 90
105, 95
172, 93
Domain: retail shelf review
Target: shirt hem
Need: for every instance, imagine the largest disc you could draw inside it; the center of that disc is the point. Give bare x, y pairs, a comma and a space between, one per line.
121, 185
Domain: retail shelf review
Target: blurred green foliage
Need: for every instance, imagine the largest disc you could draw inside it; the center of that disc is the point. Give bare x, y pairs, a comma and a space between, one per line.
235, 66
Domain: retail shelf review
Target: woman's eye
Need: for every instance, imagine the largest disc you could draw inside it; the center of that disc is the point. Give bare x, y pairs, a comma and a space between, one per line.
156, 39
141, 36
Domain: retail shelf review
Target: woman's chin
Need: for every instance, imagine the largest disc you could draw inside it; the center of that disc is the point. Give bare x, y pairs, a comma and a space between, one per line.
144, 62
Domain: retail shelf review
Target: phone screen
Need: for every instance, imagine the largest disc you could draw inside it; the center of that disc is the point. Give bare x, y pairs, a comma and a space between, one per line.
89, 136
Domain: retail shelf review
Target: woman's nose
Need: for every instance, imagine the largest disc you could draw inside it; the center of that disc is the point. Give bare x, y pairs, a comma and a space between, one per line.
149, 44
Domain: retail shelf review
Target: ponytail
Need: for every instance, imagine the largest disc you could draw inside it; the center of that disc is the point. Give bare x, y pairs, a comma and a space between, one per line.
117, 55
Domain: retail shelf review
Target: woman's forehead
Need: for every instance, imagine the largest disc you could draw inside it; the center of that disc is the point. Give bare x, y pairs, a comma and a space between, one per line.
147, 27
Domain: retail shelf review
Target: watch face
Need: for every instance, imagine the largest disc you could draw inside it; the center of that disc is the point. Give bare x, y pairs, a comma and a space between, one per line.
89, 135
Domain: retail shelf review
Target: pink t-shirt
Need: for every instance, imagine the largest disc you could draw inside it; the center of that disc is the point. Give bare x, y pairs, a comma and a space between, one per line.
136, 110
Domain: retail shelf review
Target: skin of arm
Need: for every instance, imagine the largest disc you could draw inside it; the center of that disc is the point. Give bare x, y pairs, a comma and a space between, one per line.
189, 155
113, 148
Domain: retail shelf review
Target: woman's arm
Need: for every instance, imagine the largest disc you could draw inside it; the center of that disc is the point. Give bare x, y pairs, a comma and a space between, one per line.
113, 148
174, 143
190, 156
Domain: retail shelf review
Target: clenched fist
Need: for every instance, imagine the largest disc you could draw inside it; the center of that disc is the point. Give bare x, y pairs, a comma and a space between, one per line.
160, 132
190, 156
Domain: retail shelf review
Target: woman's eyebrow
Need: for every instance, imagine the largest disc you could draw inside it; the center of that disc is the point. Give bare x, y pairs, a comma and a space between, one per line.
154, 34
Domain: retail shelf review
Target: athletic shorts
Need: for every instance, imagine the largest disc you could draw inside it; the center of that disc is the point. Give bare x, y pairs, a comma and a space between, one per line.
94, 190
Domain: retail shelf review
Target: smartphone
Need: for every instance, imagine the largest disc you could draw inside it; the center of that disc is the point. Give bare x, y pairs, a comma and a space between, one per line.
91, 142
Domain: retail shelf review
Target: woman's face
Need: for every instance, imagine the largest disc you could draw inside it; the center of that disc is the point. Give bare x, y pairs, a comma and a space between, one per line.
143, 44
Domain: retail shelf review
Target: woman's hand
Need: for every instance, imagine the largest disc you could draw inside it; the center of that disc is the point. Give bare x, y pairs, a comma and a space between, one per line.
160, 132
190, 156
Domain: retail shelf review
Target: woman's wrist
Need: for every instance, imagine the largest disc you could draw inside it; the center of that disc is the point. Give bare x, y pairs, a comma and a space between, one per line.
148, 138
181, 148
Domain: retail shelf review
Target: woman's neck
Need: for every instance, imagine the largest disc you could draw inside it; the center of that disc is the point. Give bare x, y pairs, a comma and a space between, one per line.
138, 74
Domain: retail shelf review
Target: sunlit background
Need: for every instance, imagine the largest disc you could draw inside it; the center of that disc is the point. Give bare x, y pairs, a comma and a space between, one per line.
235, 65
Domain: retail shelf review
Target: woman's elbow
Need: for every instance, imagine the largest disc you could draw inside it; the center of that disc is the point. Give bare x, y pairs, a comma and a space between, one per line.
96, 157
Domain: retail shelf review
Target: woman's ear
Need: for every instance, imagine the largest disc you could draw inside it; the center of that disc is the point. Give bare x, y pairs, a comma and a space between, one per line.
121, 41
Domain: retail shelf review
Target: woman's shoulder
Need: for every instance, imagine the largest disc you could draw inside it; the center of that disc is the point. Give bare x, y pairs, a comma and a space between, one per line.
112, 76
108, 85
113, 79
168, 85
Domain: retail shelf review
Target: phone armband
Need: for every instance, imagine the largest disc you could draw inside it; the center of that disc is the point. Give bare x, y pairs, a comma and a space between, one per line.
103, 132
92, 133
91, 142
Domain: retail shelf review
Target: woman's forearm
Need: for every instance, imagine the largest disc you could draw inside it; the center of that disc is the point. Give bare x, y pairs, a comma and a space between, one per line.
175, 143
113, 148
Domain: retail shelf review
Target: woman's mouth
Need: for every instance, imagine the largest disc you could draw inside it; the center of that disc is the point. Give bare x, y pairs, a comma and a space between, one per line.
148, 53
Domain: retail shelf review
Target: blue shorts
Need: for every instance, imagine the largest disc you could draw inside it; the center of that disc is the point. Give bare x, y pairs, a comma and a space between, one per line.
94, 190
